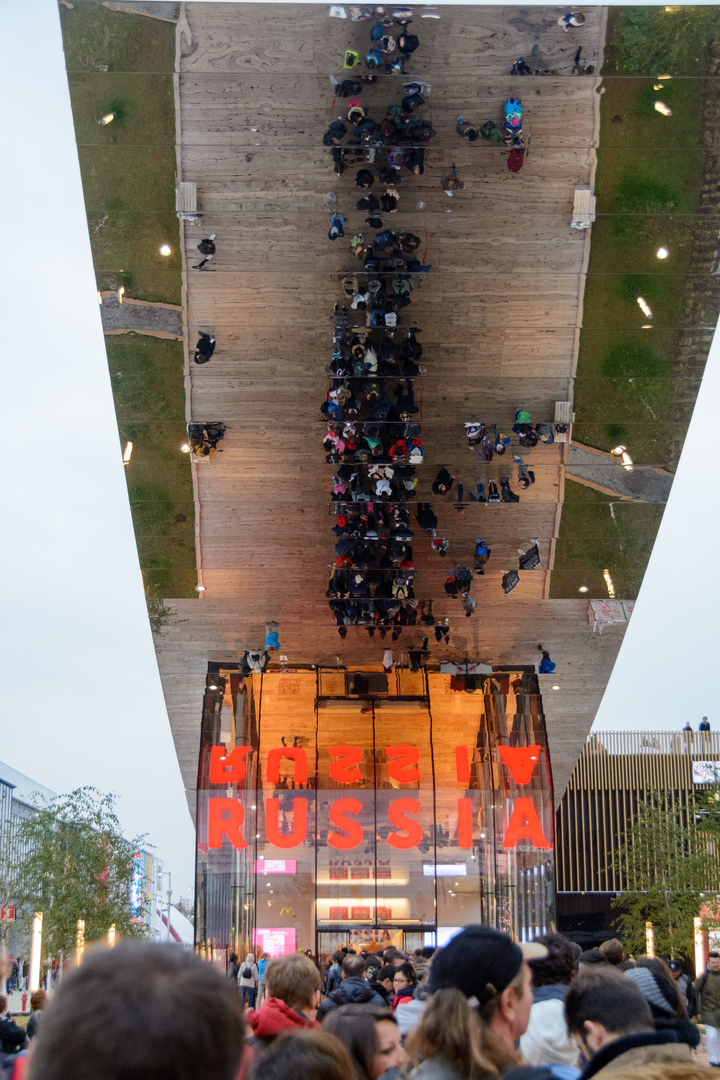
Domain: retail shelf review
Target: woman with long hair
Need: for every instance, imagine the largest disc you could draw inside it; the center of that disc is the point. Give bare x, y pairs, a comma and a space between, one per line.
481, 995
371, 1035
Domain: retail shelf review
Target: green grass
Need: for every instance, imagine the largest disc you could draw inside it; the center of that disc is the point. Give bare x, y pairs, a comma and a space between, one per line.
147, 379
128, 167
123, 63
635, 385
596, 534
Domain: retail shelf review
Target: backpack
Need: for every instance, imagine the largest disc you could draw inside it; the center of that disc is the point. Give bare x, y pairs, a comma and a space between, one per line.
246, 972
515, 160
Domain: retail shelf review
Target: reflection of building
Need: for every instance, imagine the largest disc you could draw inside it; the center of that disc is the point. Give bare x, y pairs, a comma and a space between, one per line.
325, 816
613, 775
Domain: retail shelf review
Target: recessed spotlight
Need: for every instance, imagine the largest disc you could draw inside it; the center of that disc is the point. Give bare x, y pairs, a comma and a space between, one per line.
212, 686
556, 687
107, 119
185, 447
662, 253
661, 107
583, 588
165, 249
199, 588
127, 453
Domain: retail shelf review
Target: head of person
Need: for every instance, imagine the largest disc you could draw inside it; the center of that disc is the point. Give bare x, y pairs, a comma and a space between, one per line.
372, 1037
558, 967
391, 953
404, 976
577, 19
714, 961
481, 996
353, 966
523, 483
592, 958
666, 1002
296, 981
338, 957
602, 1005
3, 1004
386, 976
305, 1055
144, 1011
38, 1000
613, 950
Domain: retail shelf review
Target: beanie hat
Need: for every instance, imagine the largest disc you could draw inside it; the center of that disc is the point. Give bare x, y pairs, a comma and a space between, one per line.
661, 994
481, 962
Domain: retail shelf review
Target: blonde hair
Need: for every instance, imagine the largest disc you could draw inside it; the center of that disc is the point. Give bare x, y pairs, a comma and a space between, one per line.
461, 1035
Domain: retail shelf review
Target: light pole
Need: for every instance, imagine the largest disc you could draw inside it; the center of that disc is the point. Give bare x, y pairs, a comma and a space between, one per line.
168, 875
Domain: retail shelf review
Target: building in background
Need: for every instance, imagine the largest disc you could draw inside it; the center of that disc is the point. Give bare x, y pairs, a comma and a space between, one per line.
614, 773
359, 806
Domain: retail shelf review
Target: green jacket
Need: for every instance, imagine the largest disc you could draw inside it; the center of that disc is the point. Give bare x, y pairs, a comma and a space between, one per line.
707, 987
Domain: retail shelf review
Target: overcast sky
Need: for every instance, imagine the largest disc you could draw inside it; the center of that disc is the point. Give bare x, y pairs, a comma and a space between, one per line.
81, 698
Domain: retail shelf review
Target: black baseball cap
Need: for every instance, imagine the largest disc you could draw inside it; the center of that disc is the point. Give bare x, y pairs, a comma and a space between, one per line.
675, 965
481, 962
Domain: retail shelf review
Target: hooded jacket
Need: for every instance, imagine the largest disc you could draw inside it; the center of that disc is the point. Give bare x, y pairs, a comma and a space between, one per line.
547, 1040
274, 1016
252, 980
351, 991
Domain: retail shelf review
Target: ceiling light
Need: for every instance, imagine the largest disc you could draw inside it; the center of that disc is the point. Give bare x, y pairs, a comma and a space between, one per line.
165, 249
199, 588
609, 583
658, 77
212, 686
662, 253
121, 292
185, 447
107, 119
482, 835
662, 108
127, 453
583, 588
618, 450
556, 687
627, 462
99, 298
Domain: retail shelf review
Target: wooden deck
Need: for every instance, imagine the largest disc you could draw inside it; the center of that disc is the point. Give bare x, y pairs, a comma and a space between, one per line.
500, 312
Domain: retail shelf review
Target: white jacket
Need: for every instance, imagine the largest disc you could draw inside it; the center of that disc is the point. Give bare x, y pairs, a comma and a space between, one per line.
547, 1040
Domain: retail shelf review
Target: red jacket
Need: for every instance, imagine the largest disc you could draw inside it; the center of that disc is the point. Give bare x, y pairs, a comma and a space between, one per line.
275, 1016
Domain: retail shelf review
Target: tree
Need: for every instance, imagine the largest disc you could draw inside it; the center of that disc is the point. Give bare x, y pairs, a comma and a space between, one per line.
75, 864
668, 863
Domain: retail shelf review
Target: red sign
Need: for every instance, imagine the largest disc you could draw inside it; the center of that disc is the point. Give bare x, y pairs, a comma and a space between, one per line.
360, 913
338, 913
226, 816
7, 912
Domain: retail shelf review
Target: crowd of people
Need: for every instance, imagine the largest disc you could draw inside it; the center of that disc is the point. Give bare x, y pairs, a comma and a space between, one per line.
480, 1008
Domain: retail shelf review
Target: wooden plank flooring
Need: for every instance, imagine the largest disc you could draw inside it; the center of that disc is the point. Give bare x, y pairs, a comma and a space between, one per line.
499, 313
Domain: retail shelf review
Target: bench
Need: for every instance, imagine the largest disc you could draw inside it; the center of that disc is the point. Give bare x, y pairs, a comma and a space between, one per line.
583, 208
563, 415
186, 201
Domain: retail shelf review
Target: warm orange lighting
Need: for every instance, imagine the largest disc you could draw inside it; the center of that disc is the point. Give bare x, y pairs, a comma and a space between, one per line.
609, 583
185, 447
644, 307
107, 119
127, 454
121, 293
662, 108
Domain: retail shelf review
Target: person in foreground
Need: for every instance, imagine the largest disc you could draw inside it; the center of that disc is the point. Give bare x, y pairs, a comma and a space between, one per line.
481, 996
141, 1011
371, 1035
612, 1022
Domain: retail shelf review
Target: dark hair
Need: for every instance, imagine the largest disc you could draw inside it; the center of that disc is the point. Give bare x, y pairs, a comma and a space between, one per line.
593, 956
186, 1023
3, 1003
305, 1055
355, 1027
408, 971
339, 956
353, 965
558, 966
608, 998
38, 1000
387, 971
613, 950
391, 953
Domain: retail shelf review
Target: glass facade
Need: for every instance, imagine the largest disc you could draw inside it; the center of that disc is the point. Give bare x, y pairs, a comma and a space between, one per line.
338, 805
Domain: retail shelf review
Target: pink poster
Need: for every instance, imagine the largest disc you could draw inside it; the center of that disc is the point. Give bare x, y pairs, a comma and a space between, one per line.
275, 941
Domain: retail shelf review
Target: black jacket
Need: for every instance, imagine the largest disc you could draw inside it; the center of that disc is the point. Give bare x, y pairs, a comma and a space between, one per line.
12, 1037
351, 991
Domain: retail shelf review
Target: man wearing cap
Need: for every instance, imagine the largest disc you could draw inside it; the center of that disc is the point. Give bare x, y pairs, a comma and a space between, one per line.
684, 985
481, 996
610, 1016
707, 988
